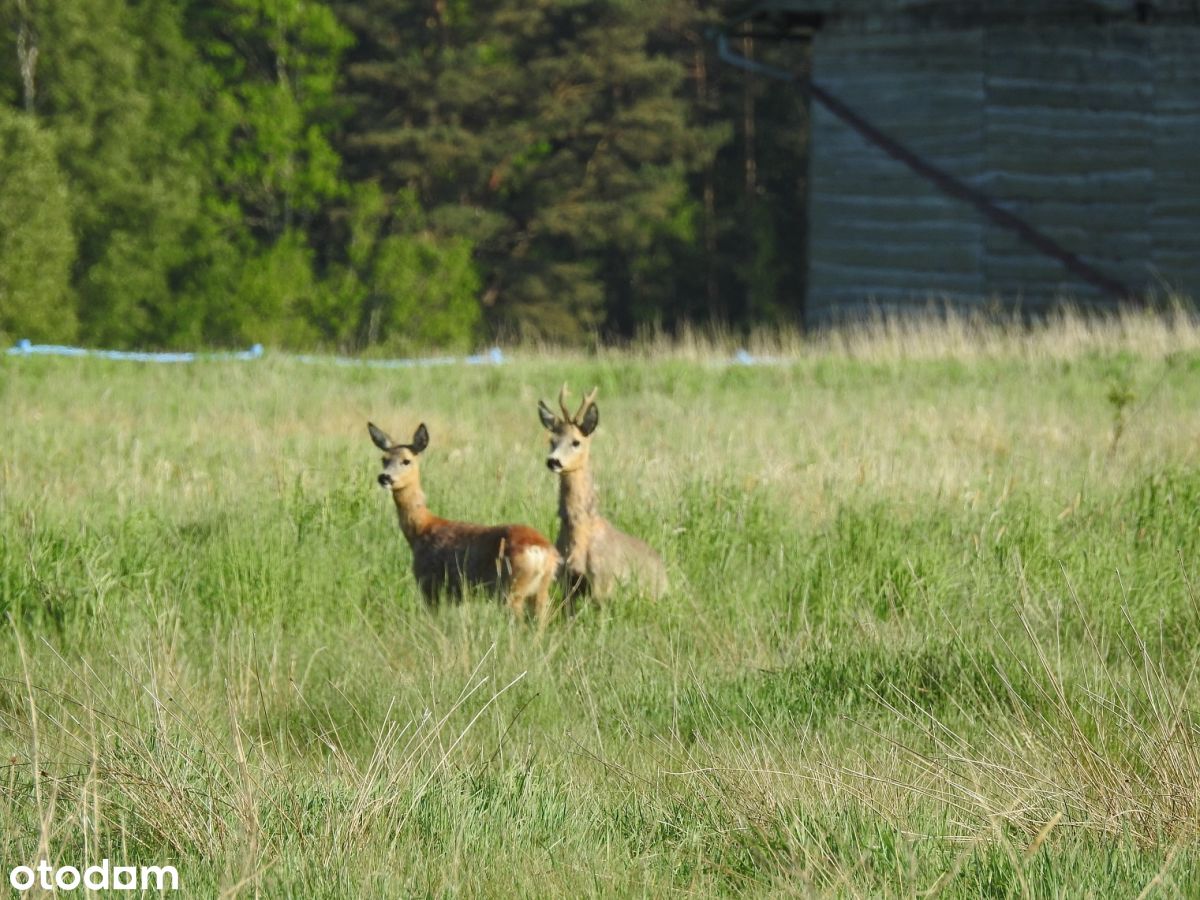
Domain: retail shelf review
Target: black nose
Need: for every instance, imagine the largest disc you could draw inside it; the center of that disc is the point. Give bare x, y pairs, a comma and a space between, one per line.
385, 479
553, 464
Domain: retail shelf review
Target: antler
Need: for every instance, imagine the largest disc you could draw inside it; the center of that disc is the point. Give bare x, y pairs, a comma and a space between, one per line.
562, 402
587, 401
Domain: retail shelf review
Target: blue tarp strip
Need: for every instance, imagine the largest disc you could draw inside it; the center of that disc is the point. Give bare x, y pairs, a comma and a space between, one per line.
492, 357
28, 348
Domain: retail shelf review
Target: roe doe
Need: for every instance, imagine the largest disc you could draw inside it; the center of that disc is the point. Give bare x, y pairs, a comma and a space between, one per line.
597, 555
515, 561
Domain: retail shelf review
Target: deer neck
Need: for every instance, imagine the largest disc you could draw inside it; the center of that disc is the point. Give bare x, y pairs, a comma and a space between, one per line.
578, 504
414, 515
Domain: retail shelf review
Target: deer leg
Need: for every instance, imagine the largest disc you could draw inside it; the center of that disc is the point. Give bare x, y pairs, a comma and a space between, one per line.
516, 602
541, 601
518, 591
429, 588
575, 588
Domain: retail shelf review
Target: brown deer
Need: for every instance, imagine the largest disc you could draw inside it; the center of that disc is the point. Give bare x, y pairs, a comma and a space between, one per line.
513, 560
597, 555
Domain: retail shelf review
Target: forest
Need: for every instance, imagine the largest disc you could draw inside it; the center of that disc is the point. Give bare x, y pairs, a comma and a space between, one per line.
388, 175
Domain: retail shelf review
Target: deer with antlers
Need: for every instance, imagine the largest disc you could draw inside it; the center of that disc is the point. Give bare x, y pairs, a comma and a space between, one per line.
597, 555
513, 560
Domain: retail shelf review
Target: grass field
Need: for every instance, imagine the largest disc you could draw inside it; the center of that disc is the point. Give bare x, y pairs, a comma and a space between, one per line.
933, 628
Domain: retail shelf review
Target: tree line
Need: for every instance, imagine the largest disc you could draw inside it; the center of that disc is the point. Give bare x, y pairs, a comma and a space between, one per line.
387, 174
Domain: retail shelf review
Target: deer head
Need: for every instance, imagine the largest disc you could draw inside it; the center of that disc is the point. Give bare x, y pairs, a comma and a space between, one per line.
400, 460
570, 436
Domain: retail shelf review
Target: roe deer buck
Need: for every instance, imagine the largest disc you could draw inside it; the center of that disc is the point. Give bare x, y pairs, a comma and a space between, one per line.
597, 556
513, 560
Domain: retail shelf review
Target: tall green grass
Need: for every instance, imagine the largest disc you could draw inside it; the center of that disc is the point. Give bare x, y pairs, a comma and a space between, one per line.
932, 632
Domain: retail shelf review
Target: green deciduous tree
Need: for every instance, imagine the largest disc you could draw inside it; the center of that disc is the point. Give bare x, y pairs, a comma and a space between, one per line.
388, 173
191, 139
115, 116
37, 246
270, 68
413, 288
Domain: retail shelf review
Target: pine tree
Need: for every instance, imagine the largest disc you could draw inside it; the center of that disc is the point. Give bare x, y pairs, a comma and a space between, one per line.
415, 279
763, 190
550, 135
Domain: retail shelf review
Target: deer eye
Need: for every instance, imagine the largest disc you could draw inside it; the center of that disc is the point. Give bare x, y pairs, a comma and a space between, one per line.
406, 462
576, 442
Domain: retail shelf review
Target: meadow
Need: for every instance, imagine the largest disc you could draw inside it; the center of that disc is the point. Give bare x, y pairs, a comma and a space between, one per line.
932, 630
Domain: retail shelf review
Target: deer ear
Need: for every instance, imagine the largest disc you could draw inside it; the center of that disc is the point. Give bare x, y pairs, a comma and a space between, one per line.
549, 420
420, 439
379, 436
590, 420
